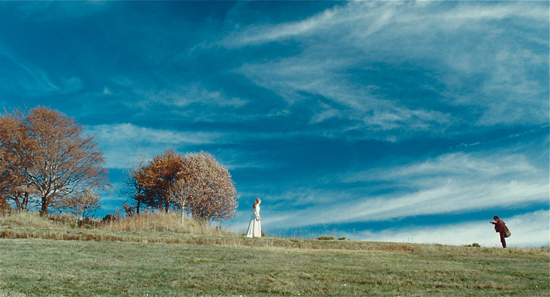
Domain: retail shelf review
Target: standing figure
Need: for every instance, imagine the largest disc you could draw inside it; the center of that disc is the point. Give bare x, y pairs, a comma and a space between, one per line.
500, 228
255, 227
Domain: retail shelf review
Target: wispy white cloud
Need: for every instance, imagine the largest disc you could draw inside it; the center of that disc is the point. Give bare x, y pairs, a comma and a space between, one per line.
452, 183
528, 230
125, 143
185, 95
291, 79
452, 198
24, 79
465, 47
258, 35
463, 166
192, 101
376, 17
122, 133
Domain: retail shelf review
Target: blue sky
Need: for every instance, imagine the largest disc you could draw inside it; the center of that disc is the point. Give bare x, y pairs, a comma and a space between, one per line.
386, 121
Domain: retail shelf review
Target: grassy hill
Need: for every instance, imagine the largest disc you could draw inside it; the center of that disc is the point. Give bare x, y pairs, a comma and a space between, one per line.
160, 256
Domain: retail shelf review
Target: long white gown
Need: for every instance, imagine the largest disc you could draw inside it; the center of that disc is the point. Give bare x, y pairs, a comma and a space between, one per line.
255, 226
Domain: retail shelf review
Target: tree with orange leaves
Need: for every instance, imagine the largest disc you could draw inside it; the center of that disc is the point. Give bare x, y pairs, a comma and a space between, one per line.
48, 158
4, 179
11, 164
156, 179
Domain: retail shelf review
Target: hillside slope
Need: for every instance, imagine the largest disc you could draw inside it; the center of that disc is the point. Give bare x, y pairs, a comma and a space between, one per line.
40, 260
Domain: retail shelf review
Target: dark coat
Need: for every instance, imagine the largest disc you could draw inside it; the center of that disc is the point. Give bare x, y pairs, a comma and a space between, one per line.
499, 226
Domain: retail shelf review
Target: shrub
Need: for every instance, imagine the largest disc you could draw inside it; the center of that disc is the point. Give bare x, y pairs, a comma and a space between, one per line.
342, 238
325, 238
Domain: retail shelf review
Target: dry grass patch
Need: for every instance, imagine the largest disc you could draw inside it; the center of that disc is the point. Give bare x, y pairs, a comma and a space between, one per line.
162, 222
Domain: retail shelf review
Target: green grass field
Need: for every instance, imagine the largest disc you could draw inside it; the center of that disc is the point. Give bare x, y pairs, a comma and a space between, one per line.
57, 261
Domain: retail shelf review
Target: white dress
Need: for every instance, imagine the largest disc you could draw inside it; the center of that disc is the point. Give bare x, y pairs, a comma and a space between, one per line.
255, 227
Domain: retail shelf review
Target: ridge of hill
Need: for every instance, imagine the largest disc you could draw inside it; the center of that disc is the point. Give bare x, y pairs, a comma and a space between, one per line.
163, 257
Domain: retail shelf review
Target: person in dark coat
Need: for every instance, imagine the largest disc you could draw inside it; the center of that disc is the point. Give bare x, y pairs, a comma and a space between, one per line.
500, 228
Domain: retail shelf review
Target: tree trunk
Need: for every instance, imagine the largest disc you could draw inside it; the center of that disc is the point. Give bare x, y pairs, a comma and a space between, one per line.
182, 212
26, 201
44, 208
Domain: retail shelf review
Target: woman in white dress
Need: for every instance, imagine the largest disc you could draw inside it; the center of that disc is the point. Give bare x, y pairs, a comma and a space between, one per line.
255, 227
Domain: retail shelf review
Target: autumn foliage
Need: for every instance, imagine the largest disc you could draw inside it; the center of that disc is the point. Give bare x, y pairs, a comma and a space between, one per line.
46, 160
196, 184
156, 179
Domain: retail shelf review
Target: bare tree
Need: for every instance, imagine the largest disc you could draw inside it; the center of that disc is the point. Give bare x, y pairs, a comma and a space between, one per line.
83, 205
133, 189
49, 154
204, 188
